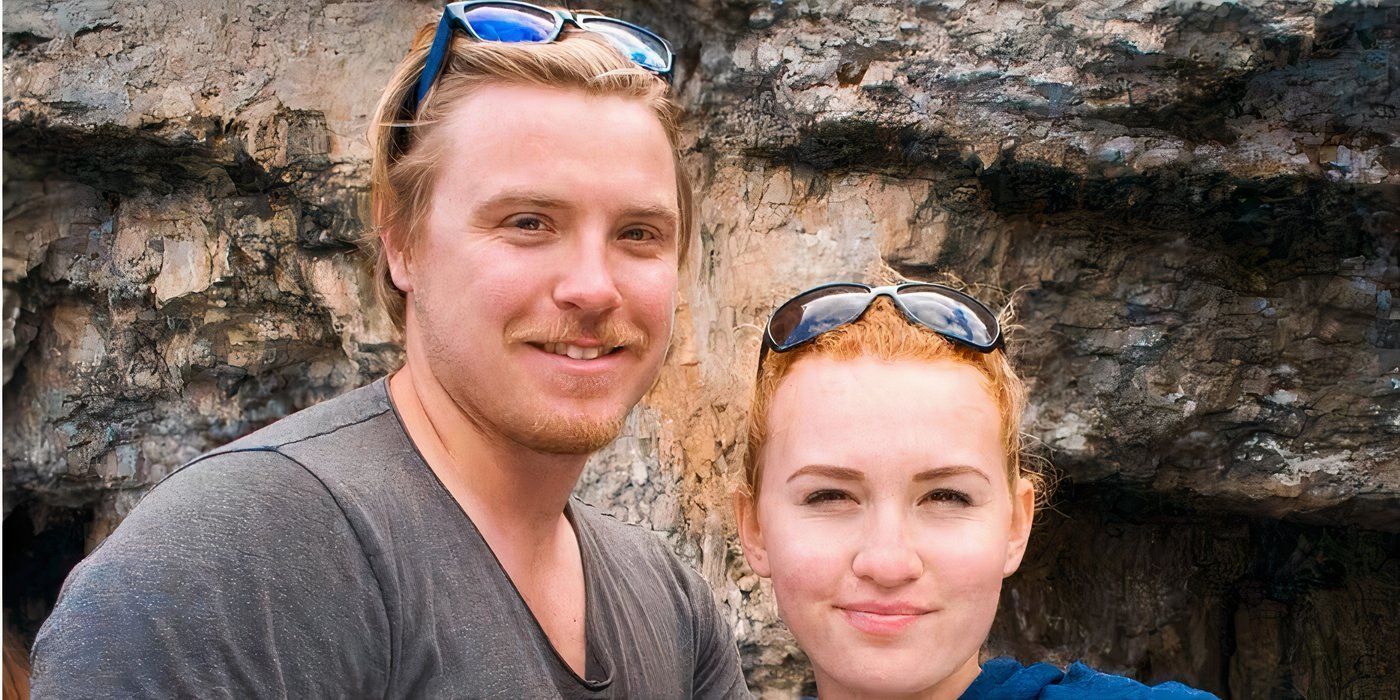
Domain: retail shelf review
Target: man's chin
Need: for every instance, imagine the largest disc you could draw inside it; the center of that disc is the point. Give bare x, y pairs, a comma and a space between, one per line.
568, 435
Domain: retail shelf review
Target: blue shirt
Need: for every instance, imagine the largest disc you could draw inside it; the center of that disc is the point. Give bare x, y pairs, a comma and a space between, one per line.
1005, 678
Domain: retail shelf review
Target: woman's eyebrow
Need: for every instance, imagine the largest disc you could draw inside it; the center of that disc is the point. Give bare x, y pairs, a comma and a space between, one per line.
829, 471
948, 471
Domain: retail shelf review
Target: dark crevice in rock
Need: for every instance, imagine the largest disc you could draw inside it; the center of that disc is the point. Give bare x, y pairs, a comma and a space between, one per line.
1201, 114
332, 224
1271, 230
855, 144
20, 42
122, 161
128, 162
1243, 607
94, 28
42, 544
1207, 92
1356, 26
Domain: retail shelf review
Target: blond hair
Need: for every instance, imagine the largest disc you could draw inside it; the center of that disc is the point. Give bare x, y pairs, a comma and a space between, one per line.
883, 333
405, 159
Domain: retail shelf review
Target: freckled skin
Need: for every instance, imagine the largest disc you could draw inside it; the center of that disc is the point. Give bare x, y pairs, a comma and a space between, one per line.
888, 568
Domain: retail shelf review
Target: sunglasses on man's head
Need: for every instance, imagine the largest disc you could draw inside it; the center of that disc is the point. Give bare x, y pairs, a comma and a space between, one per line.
513, 22
943, 310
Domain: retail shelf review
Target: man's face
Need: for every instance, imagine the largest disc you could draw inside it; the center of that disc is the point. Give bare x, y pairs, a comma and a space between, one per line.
542, 284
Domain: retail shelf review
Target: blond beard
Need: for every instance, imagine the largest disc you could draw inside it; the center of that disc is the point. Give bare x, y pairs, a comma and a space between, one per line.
548, 434
561, 435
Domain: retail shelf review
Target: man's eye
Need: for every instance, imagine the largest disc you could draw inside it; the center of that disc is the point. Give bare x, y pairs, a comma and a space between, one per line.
826, 496
637, 234
527, 223
948, 496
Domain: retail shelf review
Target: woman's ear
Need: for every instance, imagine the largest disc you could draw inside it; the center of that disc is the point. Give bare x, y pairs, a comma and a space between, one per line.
399, 264
1022, 513
750, 535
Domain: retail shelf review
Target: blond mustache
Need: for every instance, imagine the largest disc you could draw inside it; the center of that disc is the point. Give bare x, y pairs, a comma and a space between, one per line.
611, 333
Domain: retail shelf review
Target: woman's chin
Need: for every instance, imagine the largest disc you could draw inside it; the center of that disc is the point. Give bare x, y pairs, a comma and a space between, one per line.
883, 674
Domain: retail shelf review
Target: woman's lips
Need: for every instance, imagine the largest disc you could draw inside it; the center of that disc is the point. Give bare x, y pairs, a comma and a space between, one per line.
882, 620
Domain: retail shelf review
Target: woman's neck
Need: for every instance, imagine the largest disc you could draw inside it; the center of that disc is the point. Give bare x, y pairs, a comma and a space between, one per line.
949, 687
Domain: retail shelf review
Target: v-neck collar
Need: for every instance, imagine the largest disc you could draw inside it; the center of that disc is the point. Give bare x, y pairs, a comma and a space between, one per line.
595, 659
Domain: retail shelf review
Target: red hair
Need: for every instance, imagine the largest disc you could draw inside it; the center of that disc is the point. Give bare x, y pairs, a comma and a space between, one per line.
885, 334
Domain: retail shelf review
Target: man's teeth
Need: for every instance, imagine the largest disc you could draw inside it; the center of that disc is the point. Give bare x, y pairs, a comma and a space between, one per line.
575, 351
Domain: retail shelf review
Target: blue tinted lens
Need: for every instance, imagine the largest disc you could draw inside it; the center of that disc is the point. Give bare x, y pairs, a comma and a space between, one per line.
807, 317
511, 24
950, 316
643, 48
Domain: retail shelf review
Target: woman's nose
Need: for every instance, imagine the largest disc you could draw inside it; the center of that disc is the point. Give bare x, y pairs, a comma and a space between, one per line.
887, 556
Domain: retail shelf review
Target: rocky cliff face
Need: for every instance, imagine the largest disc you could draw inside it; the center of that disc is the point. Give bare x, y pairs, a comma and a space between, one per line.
1195, 205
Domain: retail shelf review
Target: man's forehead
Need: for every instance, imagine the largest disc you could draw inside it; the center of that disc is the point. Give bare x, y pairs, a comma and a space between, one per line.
555, 148
542, 111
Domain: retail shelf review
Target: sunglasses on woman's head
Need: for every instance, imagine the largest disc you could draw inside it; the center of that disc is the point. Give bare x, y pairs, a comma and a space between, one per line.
943, 310
513, 22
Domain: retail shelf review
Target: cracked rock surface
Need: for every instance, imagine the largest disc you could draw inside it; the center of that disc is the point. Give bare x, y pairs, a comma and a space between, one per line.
1195, 207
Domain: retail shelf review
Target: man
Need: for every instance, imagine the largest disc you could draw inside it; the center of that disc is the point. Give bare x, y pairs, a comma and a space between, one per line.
416, 537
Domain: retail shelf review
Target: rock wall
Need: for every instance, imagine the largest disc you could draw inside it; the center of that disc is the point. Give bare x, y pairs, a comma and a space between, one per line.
1194, 205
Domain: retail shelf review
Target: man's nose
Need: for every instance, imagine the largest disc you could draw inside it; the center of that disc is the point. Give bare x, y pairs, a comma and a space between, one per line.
587, 283
887, 556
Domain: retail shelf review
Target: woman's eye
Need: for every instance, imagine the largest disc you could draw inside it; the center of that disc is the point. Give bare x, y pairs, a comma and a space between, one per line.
826, 496
948, 496
637, 234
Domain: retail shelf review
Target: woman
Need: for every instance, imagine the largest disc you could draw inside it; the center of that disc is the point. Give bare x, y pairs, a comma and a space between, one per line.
886, 496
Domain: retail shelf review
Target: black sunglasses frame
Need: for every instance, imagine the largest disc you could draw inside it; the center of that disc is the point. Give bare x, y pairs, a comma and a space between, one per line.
454, 18
989, 319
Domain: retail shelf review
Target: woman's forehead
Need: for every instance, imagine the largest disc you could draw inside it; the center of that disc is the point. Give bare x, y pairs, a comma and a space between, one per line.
866, 411
872, 382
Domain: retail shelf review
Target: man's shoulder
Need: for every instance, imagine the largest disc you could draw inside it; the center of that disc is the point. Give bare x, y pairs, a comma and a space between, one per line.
247, 549
319, 453
352, 447
326, 421
233, 492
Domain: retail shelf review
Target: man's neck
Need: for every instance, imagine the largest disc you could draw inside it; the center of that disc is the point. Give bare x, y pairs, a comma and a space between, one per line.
514, 496
507, 489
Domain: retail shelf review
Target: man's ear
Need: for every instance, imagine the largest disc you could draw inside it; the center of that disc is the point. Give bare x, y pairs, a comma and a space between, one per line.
1022, 513
399, 264
750, 535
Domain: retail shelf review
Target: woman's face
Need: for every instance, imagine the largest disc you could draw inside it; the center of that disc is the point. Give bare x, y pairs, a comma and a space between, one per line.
885, 521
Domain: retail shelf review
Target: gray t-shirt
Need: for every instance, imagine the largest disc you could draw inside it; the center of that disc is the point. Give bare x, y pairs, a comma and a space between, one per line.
321, 557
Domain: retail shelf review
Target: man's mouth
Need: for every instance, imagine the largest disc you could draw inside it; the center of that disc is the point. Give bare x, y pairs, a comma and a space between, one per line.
578, 352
